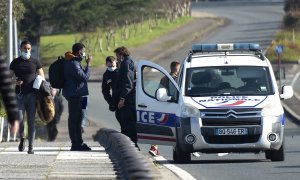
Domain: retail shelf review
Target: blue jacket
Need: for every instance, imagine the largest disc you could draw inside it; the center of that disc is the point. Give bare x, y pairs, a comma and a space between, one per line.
75, 77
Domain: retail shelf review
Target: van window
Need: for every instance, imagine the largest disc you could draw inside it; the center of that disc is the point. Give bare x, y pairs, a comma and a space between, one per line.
228, 80
152, 79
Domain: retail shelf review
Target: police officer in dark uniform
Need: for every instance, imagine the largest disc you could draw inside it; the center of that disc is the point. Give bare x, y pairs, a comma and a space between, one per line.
110, 87
126, 90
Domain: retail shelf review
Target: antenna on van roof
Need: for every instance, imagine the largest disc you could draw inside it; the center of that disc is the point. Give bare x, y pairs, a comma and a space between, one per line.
189, 59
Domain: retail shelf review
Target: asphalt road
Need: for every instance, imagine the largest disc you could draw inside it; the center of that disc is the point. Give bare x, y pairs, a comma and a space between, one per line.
248, 21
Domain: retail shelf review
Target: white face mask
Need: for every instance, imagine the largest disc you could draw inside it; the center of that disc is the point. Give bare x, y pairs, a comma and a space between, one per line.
111, 68
25, 55
82, 54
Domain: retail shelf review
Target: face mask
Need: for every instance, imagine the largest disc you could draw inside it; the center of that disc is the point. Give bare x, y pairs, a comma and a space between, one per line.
82, 54
111, 69
25, 55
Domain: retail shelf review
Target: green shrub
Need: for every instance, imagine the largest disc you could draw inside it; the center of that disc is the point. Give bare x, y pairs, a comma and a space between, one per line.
292, 20
291, 47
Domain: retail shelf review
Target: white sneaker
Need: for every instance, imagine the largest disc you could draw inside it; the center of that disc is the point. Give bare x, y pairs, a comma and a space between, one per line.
196, 154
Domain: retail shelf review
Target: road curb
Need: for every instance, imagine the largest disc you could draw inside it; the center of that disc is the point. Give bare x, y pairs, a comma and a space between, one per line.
295, 117
130, 163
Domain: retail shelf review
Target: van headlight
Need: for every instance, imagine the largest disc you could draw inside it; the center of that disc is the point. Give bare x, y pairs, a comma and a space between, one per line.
188, 110
272, 109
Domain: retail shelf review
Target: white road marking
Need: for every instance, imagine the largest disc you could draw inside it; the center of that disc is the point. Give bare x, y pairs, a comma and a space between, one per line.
222, 154
81, 155
196, 154
61, 152
295, 79
182, 174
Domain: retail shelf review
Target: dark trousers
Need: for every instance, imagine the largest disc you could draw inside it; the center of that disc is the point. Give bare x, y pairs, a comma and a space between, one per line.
74, 120
26, 104
127, 119
118, 117
52, 130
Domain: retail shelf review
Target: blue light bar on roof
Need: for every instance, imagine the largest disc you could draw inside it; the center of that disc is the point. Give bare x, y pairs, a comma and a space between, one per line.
225, 47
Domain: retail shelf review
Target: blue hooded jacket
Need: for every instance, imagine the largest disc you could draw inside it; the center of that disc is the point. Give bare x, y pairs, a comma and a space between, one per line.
75, 77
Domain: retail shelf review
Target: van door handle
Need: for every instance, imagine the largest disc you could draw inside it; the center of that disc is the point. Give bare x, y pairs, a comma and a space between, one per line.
142, 106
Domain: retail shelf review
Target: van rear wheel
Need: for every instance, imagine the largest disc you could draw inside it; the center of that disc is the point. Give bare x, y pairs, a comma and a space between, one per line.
277, 155
180, 156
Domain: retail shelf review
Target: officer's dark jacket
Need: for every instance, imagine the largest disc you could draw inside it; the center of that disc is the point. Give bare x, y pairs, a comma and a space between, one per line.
127, 80
109, 82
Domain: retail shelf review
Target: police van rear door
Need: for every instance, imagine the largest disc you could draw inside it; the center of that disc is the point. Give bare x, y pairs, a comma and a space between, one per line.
156, 120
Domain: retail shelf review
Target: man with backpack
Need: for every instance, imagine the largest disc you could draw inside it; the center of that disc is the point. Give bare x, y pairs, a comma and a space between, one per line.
74, 88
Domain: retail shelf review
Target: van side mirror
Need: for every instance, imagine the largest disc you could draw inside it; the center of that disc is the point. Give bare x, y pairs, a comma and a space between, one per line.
287, 92
162, 95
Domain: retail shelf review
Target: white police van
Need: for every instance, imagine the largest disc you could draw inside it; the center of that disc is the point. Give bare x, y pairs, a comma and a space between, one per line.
226, 100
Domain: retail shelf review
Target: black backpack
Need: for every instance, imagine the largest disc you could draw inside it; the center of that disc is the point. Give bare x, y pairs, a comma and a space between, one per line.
56, 73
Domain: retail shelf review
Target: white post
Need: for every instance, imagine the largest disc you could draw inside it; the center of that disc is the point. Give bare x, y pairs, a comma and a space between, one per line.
8, 132
9, 33
1, 128
16, 54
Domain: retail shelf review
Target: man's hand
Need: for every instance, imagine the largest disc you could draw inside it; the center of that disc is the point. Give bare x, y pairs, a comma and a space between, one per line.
14, 127
18, 82
112, 108
89, 59
121, 103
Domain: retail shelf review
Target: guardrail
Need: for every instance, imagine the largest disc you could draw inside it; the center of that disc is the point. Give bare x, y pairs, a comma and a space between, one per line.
130, 163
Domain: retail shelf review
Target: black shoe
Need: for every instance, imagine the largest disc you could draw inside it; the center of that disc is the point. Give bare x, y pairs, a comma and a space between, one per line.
75, 148
82, 147
137, 146
21, 145
30, 150
85, 147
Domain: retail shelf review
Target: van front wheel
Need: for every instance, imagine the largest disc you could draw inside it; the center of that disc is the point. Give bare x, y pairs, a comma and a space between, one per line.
277, 155
180, 156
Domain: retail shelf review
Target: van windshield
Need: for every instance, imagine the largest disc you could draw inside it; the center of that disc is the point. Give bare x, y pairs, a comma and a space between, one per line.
229, 80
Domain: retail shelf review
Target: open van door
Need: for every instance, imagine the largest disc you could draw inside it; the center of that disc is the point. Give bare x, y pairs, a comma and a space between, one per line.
156, 105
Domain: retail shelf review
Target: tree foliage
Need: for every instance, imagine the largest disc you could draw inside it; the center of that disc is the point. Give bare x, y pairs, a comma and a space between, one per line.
18, 10
56, 16
292, 16
291, 5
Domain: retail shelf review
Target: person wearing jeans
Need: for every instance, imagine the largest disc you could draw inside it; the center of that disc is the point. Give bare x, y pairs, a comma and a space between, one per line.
25, 69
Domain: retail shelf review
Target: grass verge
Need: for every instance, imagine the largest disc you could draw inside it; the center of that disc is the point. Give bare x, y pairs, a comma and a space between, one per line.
53, 46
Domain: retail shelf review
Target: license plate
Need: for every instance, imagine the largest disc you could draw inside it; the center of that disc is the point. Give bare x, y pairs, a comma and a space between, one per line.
231, 131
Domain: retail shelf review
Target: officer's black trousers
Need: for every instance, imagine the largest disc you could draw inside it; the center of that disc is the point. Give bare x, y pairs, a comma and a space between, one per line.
127, 119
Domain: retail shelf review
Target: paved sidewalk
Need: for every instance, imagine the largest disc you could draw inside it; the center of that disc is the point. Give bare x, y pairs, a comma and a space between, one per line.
54, 160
